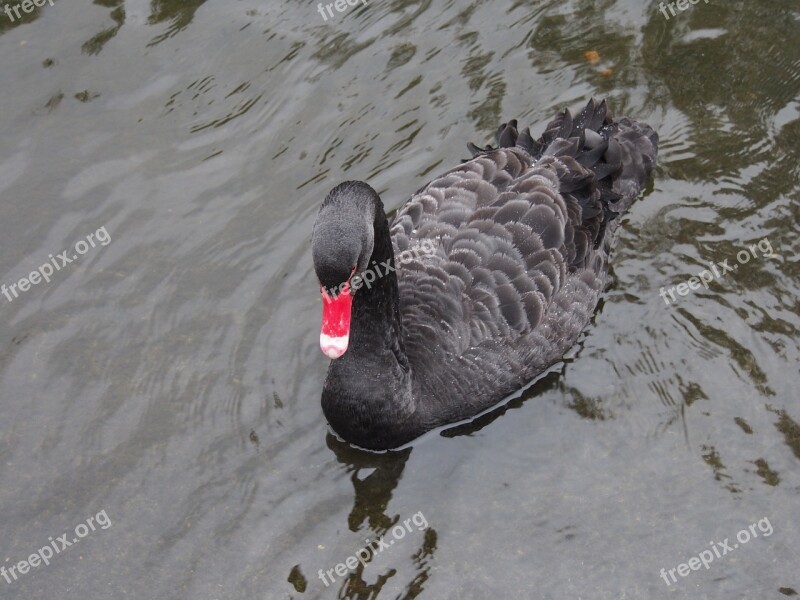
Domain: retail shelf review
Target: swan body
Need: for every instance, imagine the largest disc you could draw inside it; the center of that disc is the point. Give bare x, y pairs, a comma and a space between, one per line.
516, 240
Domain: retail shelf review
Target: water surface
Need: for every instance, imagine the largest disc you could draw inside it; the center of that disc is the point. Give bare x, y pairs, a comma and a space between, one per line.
171, 377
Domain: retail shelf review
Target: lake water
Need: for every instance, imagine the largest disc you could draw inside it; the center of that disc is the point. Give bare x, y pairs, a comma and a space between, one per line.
166, 382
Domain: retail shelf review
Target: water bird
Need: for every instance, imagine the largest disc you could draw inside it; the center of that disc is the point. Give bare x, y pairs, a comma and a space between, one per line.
522, 233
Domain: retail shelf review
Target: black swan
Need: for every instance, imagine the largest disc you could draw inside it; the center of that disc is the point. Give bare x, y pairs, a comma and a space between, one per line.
517, 244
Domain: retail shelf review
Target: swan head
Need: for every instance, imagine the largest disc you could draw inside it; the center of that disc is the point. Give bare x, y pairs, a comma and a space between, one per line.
341, 246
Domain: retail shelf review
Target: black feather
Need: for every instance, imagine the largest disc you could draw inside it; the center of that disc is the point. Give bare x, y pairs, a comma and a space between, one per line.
520, 238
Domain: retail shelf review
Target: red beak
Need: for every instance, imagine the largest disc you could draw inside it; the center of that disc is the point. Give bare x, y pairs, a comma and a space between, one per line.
335, 334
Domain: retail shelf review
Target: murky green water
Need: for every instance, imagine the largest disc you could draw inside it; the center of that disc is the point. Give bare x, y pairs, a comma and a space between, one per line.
171, 377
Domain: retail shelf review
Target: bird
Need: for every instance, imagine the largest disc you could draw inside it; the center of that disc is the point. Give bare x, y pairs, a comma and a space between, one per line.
481, 281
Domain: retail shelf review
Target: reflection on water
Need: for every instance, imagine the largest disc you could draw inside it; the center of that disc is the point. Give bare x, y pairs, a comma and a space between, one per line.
374, 477
96, 43
173, 380
177, 13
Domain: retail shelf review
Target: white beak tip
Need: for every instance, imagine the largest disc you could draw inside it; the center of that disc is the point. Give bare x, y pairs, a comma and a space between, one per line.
333, 347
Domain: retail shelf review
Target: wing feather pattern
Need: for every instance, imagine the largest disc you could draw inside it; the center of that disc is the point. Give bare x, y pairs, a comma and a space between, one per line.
522, 237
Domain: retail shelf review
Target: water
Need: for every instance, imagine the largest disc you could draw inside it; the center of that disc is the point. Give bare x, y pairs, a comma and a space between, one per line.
171, 377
